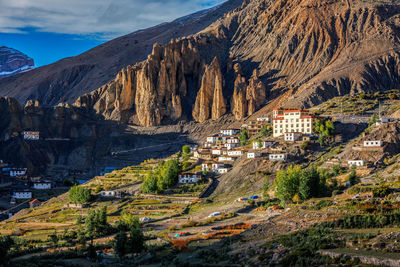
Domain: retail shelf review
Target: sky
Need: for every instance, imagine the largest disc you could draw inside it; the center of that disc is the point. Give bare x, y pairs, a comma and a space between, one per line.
49, 30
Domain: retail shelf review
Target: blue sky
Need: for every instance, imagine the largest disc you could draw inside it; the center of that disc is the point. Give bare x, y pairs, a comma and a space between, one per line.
49, 30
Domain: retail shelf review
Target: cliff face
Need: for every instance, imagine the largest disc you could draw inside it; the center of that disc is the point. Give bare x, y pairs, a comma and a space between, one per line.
210, 102
67, 79
13, 61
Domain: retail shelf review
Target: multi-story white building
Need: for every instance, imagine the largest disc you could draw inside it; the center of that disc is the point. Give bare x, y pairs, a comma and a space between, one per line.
206, 166
263, 119
292, 121
230, 146
263, 145
223, 158
375, 143
221, 170
212, 139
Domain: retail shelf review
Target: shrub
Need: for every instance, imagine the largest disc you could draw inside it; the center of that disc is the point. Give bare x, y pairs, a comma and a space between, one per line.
79, 195
381, 191
186, 149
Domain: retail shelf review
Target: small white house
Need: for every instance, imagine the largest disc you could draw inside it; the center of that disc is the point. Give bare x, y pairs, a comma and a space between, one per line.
229, 132
29, 135
189, 178
206, 166
277, 156
216, 166
212, 139
253, 155
22, 195
221, 170
44, 185
223, 158
263, 119
376, 143
357, 163
291, 137
264, 145
230, 146
217, 152
111, 194
235, 153
18, 172
233, 140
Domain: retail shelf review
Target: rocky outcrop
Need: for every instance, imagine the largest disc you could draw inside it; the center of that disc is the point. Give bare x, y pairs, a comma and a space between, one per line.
247, 97
13, 61
70, 78
210, 102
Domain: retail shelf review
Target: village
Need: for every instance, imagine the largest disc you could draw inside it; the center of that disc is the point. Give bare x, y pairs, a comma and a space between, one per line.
276, 139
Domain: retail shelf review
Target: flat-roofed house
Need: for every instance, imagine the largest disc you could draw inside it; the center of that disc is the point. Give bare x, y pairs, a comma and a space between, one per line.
357, 163
42, 185
189, 178
374, 143
275, 157
229, 132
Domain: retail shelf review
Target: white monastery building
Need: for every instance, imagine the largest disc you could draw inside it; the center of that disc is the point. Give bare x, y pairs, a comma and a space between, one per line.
292, 121
373, 143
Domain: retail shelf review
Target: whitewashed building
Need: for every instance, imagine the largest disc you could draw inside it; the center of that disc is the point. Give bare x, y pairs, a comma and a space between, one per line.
217, 151
376, 143
291, 137
263, 119
212, 139
44, 185
233, 140
216, 166
277, 156
30, 135
111, 194
22, 194
357, 163
253, 155
292, 120
18, 172
189, 178
224, 158
222, 170
229, 132
206, 166
264, 145
235, 153
230, 146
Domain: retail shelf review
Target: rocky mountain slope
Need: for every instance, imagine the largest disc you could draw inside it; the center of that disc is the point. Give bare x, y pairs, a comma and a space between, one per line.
69, 78
284, 53
13, 61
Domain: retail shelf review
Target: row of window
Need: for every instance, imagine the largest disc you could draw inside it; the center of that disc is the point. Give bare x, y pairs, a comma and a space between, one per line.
301, 130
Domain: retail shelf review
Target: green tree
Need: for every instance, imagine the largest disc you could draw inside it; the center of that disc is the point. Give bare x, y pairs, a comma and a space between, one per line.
150, 183
186, 149
309, 183
264, 130
120, 244
6, 243
353, 176
373, 120
243, 137
136, 240
53, 238
287, 182
259, 143
79, 195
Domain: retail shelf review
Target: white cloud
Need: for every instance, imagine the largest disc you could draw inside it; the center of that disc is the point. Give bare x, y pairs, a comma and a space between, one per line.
102, 18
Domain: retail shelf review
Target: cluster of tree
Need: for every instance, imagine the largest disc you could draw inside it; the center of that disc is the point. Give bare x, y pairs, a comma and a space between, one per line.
366, 221
325, 129
134, 242
374, 119
163, 177
266, 130
79, 195
96, 223
297, 184
6, 243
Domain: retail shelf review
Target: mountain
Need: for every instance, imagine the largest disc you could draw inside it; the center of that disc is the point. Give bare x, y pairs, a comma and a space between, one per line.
280, 53
13, 61
69, 78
